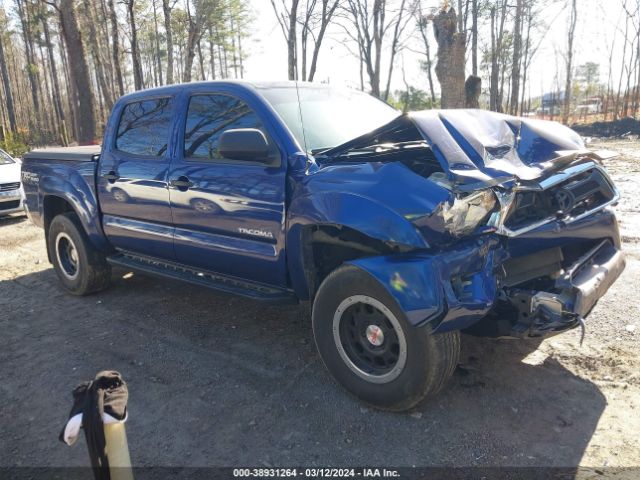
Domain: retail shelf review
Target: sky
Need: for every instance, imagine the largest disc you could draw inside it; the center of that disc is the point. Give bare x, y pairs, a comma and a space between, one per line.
597, 23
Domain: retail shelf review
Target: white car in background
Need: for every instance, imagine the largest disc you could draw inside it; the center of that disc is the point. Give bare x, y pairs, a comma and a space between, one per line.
11, 193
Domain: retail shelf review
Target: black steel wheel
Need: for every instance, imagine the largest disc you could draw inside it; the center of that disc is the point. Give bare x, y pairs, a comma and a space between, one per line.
370, 347
81, 268
369, 339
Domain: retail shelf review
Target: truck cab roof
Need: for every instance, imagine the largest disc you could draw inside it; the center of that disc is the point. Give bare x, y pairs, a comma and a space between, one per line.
240, 84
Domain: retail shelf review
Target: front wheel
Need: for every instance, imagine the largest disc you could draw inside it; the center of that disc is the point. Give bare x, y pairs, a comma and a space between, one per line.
368, 345
81, 268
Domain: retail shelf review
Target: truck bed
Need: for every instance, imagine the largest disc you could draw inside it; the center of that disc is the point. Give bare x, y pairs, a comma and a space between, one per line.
88, 153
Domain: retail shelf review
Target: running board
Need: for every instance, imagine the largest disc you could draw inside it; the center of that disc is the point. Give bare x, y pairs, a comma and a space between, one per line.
175, 271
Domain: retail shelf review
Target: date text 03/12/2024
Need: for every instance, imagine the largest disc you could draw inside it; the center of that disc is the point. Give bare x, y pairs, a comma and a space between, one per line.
315, 473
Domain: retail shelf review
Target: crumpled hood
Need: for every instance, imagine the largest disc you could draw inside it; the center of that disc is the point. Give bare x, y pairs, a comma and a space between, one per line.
477, 146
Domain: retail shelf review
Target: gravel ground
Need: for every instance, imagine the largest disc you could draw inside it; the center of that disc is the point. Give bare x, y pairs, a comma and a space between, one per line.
218, 380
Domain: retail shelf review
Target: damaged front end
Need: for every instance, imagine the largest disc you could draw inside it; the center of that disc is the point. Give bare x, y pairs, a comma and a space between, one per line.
560, 298
526, 241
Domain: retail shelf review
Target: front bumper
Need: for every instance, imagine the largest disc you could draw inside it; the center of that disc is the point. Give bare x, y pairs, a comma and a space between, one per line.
456, 288
574, 294
11, 201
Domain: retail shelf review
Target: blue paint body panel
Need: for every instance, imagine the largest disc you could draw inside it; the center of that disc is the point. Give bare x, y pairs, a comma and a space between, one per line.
422, 283
449, 283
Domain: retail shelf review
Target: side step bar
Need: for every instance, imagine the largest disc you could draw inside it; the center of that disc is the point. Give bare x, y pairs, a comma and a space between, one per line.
175, 271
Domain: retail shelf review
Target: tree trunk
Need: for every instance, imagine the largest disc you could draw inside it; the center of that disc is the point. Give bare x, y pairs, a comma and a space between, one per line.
472, 89
394, 48
493, 84
379, 12
292, 42
79, 73
168, 31
115, 47
97, 56
497, 35
527, 61
212, 58
136, 62
327, 14
239, 34
201, 61
31, 64
57, 93
517, 51
474, 38
4, 72
573, 20
304, 37
451, 59
191, 50
423, 25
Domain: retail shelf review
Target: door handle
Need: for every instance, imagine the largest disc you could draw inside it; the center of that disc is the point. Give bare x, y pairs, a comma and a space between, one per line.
182, 183
111, 177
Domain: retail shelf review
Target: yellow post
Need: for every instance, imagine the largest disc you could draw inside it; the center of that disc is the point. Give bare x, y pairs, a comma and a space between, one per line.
117, 450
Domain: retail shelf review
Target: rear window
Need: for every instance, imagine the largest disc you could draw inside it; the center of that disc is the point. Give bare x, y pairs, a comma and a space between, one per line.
144, 127
5, 158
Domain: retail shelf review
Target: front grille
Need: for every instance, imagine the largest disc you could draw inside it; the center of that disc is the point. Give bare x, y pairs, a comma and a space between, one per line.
5, 187
9, 205
582, 193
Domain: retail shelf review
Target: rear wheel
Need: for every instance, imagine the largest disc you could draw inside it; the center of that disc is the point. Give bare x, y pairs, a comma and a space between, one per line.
368, 345
81, 268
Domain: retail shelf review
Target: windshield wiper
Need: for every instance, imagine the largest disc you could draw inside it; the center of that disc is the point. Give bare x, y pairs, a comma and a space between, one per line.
382, 148
317, 151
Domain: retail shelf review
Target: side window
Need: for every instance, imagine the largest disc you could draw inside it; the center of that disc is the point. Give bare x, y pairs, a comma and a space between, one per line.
144, 127
209, 116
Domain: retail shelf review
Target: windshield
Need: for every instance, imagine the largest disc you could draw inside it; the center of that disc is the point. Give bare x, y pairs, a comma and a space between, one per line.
5, 158
331, 116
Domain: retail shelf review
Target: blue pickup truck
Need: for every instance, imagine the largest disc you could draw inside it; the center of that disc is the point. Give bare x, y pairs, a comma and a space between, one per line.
401, 229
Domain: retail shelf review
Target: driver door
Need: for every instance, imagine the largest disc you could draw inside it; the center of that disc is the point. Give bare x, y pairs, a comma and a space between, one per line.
229, 215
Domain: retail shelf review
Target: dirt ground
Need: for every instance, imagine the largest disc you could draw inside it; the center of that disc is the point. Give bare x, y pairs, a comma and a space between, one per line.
219, 380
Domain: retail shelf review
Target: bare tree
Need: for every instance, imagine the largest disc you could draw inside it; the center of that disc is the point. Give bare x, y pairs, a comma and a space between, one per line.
423, 25
136, 62
115, 47
156, 38
474, 38
166, 9
369, 26
79, 72
573, 20
96, 52
6, 82
288, 20
400, 23
314, 26
498, 14
57, 94
32, 68
517, 52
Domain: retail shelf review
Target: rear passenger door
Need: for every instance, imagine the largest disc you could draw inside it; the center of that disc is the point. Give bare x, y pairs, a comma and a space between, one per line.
229, 214
132, 179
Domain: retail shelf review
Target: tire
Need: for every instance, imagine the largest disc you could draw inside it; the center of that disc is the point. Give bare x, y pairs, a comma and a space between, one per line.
81, 268
346, 302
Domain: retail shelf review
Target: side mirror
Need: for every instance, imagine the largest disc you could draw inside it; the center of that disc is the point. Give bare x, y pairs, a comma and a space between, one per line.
244, 144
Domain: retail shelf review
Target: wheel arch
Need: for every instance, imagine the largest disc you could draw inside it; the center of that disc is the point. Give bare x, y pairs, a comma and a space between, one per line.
54, 204
325, 247
326, 229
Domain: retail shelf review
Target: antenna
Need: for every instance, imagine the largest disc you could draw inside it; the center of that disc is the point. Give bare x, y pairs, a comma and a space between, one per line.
304, 135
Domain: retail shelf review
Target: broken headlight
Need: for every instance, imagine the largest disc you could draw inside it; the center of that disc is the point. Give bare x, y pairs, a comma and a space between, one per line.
467, 213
